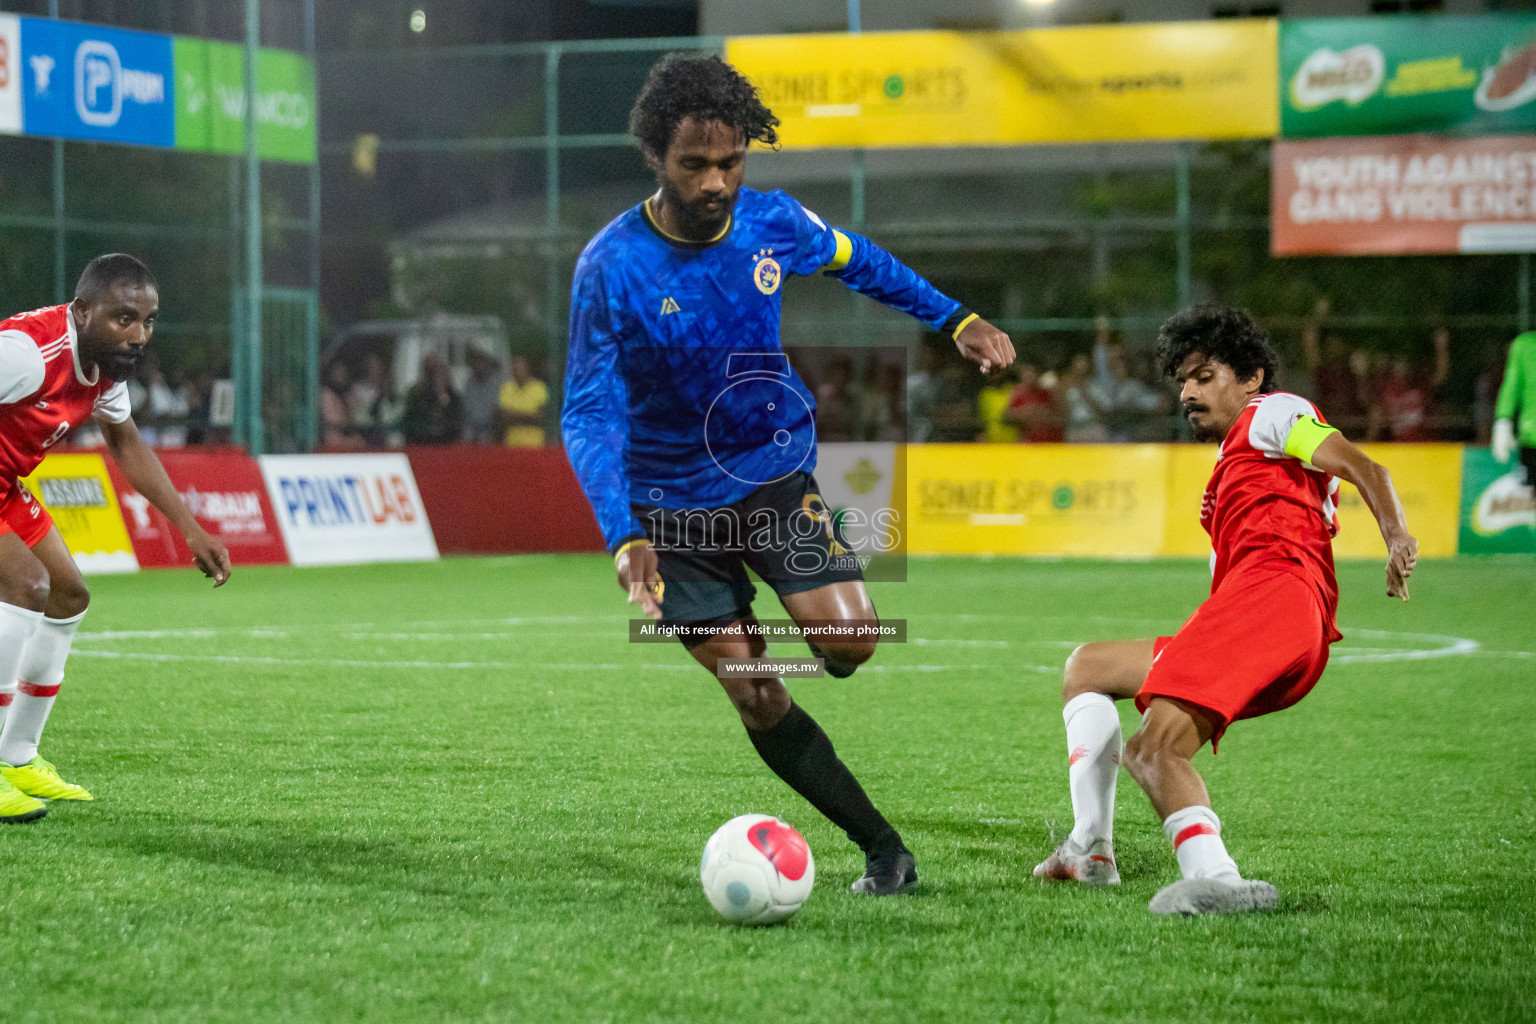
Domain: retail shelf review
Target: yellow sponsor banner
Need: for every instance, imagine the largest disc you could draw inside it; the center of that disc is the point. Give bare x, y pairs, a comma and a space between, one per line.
1173, 80
1137, 500
1041, 499
1428, 480
77, 492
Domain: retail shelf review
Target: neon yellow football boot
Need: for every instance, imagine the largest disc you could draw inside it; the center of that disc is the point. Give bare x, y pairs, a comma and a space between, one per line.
16, 806
40, 778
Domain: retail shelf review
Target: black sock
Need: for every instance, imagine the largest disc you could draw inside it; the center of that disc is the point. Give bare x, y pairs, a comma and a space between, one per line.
800, 753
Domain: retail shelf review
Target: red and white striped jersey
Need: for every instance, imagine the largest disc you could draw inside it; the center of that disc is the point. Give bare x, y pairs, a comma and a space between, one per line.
1262, 504
44, 392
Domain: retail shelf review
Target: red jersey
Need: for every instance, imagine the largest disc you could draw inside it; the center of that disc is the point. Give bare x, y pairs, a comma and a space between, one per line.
44, 392
1264, 507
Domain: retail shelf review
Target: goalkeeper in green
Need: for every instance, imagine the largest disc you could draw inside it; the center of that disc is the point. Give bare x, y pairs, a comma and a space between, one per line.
1518, 393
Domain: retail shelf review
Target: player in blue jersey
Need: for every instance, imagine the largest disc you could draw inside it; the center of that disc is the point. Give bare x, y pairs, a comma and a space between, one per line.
695, 440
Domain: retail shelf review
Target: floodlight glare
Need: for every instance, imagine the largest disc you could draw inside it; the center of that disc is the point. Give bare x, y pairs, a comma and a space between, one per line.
418, 20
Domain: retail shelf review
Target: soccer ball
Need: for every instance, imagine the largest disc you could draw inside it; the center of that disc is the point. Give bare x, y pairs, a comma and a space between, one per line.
756, 870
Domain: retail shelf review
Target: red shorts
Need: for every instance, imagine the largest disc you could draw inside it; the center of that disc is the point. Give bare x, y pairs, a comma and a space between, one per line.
1255, 646
21, 514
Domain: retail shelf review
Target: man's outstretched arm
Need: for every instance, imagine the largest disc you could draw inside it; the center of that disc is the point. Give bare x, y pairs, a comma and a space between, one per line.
1334, 454
143, 470
870, 270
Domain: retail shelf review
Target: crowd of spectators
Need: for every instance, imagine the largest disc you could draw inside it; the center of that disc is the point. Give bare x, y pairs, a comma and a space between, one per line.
494, 407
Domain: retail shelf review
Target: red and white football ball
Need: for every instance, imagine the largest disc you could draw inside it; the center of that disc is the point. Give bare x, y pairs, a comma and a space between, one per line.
756, 870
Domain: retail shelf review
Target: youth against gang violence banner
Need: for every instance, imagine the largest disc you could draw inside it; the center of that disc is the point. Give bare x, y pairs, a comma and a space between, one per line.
1403, 194
78, 493
1210, 79
1378, 76
227, 496
348, 509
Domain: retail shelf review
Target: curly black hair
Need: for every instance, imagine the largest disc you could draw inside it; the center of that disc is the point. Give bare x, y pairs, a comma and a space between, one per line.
1222, 333
705, 88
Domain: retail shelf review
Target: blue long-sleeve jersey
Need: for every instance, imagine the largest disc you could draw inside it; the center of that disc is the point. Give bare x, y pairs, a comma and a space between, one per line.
677, 391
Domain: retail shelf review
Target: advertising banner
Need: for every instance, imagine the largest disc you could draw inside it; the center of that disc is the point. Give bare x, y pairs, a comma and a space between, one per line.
77, 492
10, 75
859, 483
1209, 79
1404, 194
227, 495
1379, 76
96, 83
348, 509
210, 101
1428, 480
1041, 499
1498, 507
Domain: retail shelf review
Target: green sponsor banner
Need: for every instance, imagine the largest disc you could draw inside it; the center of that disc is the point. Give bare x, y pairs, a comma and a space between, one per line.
1498, 513
210, 100
1414, 73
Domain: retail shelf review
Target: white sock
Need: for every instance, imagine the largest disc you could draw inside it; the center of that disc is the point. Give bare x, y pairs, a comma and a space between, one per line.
16, 628
1195, 833
1093, 759
41, 671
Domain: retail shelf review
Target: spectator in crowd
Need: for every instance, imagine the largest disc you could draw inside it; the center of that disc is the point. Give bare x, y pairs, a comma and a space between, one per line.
375, 409
834, 402
1403, 395
1485, 392
1084, 424
434, 412
523, 400
482, 399
992, 408
882, 403
337, 429
1034, 408
923, 396
200, 406
1338, 376
954, 407
1129, 408
169, 406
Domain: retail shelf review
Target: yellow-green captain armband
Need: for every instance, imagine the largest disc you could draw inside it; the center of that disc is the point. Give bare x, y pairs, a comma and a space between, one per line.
842, 254
637, 542
1304, 438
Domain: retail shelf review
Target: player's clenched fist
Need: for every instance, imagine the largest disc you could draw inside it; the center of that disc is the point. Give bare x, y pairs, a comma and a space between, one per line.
985, 345
1402, 556
636, 567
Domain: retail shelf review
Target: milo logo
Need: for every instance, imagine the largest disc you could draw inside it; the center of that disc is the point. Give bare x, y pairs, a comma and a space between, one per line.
1505, 504
1326, 76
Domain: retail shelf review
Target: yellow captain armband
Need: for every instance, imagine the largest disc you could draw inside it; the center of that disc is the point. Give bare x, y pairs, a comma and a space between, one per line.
637, 542
1303, 440
962, 325
842, 254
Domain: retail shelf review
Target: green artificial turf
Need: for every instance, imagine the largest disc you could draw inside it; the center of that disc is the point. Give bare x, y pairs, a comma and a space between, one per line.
454, 792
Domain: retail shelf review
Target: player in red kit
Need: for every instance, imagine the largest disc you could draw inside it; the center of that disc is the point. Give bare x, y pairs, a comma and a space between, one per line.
1256, 646
59, 367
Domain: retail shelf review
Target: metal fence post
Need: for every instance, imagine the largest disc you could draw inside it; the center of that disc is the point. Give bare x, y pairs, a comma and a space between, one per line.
253, 262
554, 332
60, 269
1181, 213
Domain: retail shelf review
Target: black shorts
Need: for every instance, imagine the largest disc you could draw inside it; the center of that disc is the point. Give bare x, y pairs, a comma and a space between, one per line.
782, 531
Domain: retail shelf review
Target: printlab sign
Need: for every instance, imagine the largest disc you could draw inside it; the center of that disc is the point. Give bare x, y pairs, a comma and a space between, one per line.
348, 509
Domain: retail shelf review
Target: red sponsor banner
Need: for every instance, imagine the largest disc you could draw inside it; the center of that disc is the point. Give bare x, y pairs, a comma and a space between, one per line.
1403, 195
226, 493
483, 499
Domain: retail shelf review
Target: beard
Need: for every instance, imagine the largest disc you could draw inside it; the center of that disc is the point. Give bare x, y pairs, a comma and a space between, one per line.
119, 367
695, 218
1202, 433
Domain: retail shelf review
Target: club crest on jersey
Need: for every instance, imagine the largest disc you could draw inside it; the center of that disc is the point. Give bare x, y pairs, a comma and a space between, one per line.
766, 274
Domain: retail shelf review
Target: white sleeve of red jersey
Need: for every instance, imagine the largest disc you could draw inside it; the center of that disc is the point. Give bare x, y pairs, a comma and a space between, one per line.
112, 404
1272, 422
21, 367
